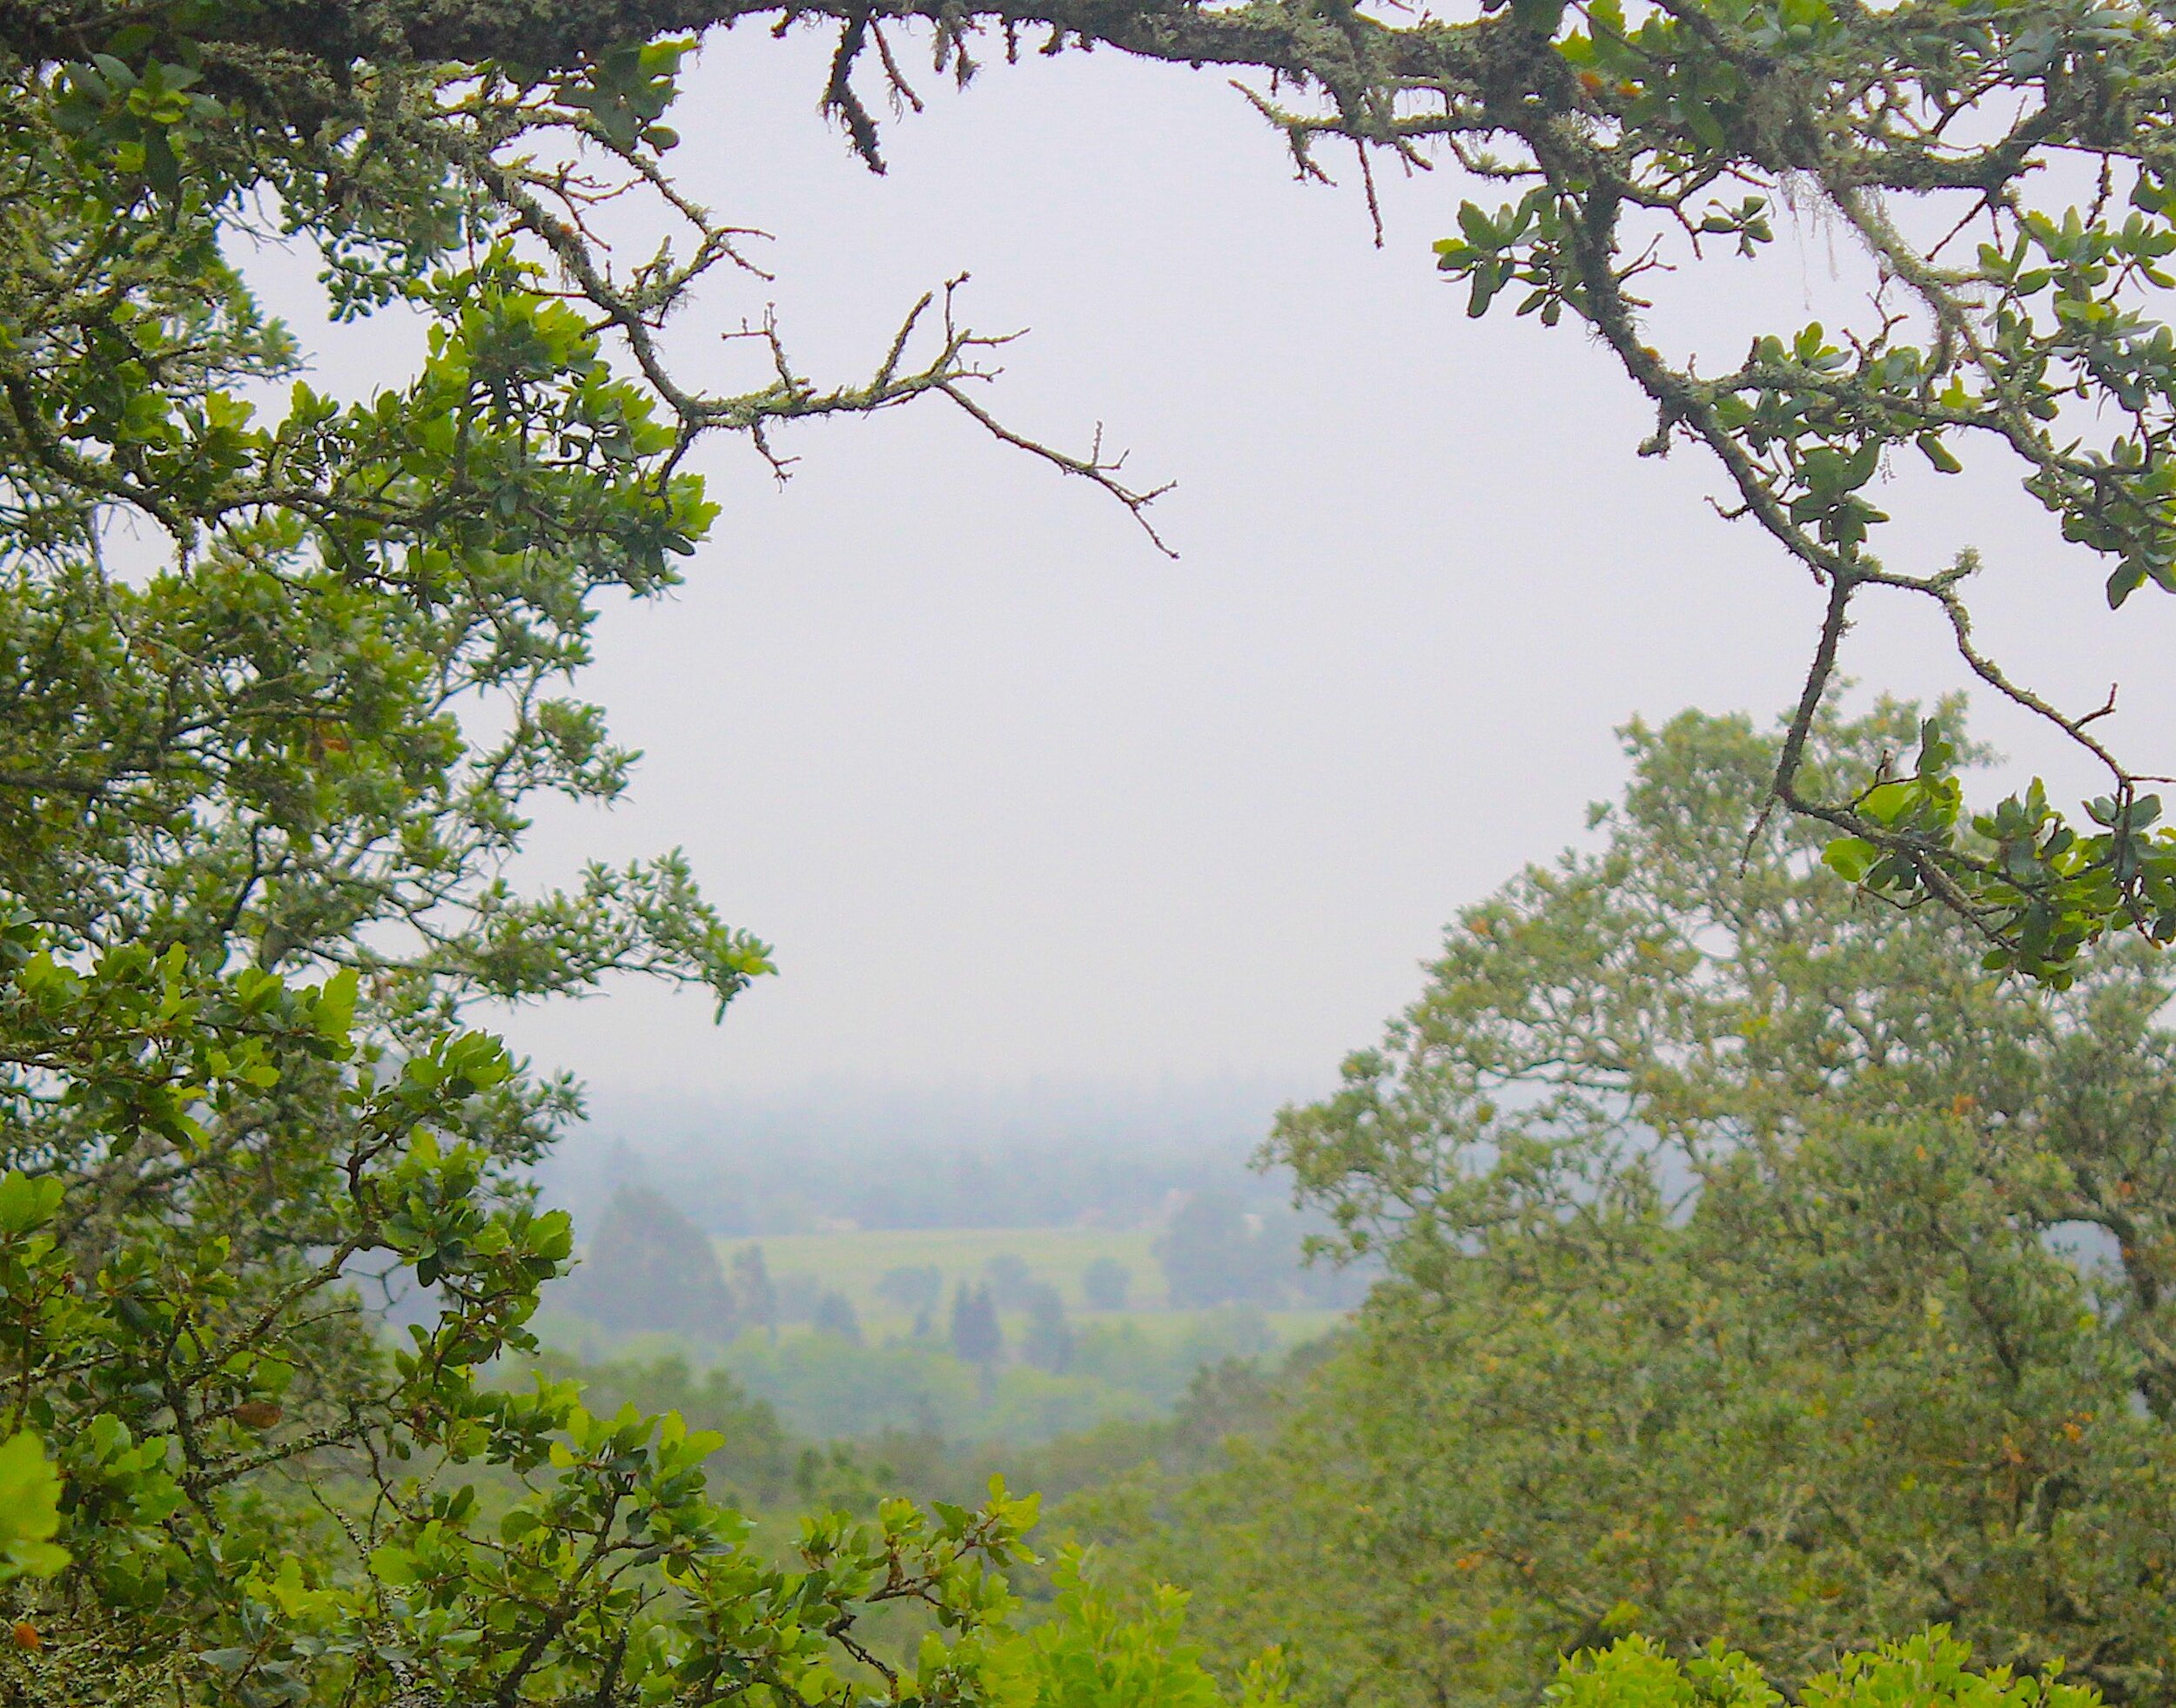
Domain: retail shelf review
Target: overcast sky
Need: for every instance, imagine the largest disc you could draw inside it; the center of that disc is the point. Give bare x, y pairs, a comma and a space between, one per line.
1016, 797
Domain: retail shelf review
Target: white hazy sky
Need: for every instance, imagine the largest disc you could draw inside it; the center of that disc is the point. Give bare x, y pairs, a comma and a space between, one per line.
1017, 797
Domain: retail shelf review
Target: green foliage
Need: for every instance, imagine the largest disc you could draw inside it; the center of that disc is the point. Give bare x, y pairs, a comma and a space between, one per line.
1634, 1672
1762, 1269
174, 1378
2050, 889
1212, 1255
1093, 1654
1719, 1211
825, 1386
2046, 345
913, 1287
753, 1290
1010, 1280
1048, 1343
835, 1315
2015, 315
1929, 1670
754, 1463
2010, 320
30, 1489
259, 787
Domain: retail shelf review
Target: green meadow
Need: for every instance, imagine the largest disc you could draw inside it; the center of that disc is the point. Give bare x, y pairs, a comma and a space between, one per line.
854, 1262
901, 1374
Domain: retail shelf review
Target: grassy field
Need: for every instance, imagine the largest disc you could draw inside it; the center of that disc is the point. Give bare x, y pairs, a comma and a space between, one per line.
852, 1263
897, 1375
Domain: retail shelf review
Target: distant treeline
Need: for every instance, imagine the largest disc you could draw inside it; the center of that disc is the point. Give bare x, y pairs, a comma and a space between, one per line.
1038, 1156
645, 1268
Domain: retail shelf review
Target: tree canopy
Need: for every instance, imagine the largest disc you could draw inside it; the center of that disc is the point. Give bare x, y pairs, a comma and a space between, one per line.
648, 1266
282, 673
2002, 162
1762, 1270
259, 796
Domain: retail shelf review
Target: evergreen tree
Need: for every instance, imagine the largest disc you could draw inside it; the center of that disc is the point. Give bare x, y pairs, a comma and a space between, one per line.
1758, 1269
1049, 1342
756, 1293
977, 1336
647, 1268
264, 786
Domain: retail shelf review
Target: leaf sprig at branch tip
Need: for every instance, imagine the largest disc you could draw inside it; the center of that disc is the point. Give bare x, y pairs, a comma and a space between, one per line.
2049, 326
1633, 132
1622, 126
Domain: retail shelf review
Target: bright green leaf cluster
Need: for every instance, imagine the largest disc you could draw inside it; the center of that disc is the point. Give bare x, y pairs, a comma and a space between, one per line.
30, 1488
1931, 1671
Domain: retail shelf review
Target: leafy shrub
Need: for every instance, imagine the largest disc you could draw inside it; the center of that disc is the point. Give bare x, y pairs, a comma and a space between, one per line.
1095, 1654
1929, 1670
